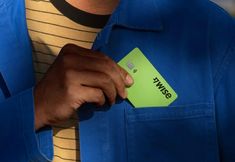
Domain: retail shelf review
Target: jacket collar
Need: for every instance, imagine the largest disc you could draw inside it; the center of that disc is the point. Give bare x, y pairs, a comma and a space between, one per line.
150, 14
132, 14
139, 14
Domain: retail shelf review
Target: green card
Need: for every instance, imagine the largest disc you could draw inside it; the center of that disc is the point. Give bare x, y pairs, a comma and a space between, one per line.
150, 89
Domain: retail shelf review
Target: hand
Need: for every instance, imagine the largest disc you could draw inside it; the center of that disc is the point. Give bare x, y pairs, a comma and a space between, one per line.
76, 77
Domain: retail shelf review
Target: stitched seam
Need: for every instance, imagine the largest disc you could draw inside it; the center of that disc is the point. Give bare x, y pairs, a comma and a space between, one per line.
223, 67
125, 130
218, 69
173, 113
214, 82
23, 128
187, 105
31, 156
168, 119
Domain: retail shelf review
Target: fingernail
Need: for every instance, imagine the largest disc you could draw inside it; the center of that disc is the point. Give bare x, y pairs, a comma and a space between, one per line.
129, 80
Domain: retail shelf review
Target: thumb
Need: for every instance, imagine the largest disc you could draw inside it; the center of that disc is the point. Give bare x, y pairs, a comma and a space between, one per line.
126, 77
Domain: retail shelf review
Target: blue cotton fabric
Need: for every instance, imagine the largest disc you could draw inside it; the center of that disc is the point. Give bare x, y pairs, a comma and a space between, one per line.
192, 44
18, 140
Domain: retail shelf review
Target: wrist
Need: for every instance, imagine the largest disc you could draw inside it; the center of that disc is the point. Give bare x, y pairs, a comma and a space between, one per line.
39, 116
38, 119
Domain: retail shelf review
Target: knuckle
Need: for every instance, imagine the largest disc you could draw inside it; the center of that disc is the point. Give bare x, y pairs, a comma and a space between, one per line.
66, 59
106, 80
68, 75
67, 47
100, 96
69, 90
69, 94
108, 62
67, 55
102, 55
110, 69
105, 56
63, 61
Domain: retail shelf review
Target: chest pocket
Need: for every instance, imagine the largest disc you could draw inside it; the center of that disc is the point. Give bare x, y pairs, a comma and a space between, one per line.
176, 133
184, 131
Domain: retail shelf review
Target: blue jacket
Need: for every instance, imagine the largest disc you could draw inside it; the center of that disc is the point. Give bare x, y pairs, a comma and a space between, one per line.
18, 140
192, 44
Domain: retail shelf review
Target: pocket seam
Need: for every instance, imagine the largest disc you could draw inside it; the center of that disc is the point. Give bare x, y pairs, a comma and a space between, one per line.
204, 110
183, 105
170, 118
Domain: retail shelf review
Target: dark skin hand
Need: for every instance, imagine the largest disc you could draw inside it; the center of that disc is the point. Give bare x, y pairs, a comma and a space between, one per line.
77, 76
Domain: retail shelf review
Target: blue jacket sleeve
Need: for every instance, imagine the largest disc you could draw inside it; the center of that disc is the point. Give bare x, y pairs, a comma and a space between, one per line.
18, 140
225, 105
